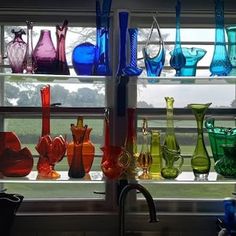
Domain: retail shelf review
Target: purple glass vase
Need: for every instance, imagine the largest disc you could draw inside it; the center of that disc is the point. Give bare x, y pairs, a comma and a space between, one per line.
16, 50
62, 66
45, 54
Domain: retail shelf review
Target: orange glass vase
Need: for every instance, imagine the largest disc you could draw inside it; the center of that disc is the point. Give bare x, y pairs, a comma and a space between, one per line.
88, 148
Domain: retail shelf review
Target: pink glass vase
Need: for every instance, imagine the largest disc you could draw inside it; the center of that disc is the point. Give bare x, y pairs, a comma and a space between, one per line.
45, 54
62, 66
16, 50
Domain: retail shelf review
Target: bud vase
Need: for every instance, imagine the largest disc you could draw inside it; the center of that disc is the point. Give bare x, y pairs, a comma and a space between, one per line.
220, 64
45, 54
16, 51
231, 35
62, 66
200, 161
177, 59
154, 64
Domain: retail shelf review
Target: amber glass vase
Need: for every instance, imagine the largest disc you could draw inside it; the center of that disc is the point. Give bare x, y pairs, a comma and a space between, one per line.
200, 161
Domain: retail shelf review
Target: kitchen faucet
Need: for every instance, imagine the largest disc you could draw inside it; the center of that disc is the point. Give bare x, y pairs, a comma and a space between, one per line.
122, 197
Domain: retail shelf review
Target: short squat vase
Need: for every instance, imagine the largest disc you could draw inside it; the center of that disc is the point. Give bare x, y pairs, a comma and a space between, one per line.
220, 64
16, 51
231, 35
219, 137
171, 149
177, 59
45, 54
193, 56
154, 63
200, 161
226, 165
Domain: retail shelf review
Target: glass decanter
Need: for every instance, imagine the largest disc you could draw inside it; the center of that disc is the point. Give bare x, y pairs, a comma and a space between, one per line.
177, 59
200, 161
220, 64
145, 159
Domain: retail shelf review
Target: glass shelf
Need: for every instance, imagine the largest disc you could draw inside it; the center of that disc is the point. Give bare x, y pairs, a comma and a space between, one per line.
97, 177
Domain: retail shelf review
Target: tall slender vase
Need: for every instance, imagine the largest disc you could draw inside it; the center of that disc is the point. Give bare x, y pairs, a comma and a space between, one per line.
220, 64
200, 161
62, 66
231, 35
154, 64
177, 59
132, 69
16, 51
45, 54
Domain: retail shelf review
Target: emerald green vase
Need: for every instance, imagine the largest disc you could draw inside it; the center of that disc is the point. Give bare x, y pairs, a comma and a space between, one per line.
200, 161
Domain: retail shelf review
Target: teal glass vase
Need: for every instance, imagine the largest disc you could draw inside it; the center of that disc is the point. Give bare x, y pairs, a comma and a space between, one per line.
193, 56
231, 35
200, 161
218, 137
220, 64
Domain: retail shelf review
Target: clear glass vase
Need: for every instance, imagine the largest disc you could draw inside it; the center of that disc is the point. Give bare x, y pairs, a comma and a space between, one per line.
220, 63
200, 161
177, 59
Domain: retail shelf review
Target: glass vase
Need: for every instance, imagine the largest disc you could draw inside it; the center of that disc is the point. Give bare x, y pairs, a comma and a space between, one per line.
62, 66
154, 63
88, 147
171, 149
220, 63
45, 54
177, 59
144, 160
193, 56
156, 153
131, 69
29, 64
219, 136
200, 161
231, 35
16, 51
83, 58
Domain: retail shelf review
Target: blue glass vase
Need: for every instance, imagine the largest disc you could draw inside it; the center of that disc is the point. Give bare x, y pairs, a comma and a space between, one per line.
220, 64
193, 56
102, 66
83, 58
154, 64
132, 69
177, 59
231, 35
123, 24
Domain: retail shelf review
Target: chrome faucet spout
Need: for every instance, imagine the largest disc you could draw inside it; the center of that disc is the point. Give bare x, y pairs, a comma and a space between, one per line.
122, 197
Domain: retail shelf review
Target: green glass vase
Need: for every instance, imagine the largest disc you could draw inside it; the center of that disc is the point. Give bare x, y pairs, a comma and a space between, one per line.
200, 161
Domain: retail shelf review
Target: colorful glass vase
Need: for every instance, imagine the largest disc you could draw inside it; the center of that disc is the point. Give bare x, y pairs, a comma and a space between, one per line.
102, 66
14, 160
156, 153
9, 204
200, 161
45, 54
231, 35
177, 59
154, 64
88, 149
218, 137
83, 58
220, 63
193, 56
171, 149
62, 66
131, 69
144, 160
51, 150
29, 64
226, 165
16, 51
